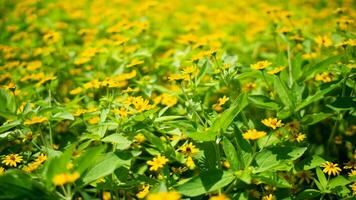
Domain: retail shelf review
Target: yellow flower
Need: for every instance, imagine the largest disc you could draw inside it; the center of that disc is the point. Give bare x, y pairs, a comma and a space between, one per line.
352, 173
190, 163
64, 178
260, 65
189, 149
41, 158
324, 77
353, 188
168, 100
164, 196
143, 193
268, 197
59, 179
157, 162
219, 197
12, 160
223, 100
299, 137
248, 86
139, 138
94, 120
226, 164
175, 77
253, 134
331, 168
135, 62
51, 37
276, 70
272, 122
35, 120
76, 91
106, 195
323, 41
2, 170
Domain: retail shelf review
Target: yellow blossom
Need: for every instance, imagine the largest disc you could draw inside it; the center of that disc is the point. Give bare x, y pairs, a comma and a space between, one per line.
276, 70
260, 65
139, 138
164, 196
324, 77
331, 168
253, 134
190, 163
189, 149
272, 122
323, 41
299, 137
12, 160
35, 120
64, 178
219, 197
157, 162
143, 193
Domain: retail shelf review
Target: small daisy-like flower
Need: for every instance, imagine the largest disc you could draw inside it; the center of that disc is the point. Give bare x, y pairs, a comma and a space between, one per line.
260, 65
272, 122
352, 173
189, 149
331, 168
268, 197
219, 197
12, 160
299, 137
164, 196
2, 170
253, 134
276, 70
35, 120
190, 163
306, 176
143, 193
157, 162
139, 138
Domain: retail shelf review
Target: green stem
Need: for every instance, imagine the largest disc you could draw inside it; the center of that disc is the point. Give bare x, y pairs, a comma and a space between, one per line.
289, 66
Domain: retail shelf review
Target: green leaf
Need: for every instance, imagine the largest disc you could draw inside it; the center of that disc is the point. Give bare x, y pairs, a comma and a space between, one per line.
222, 121
88, 158
317, 96
58, 164
264, 102
311, 162
308, 194
63, 115
321, 66
321, 177
265, 160
9, 125
104, 167
231, 154
206, 182
315, 118
273, 179
243, 150
7, 102
120, 141
338, 181
343, 103
167, 118
15, 184
283, 92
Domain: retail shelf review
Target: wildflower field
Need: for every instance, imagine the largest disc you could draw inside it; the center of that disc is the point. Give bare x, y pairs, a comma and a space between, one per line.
177, 99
